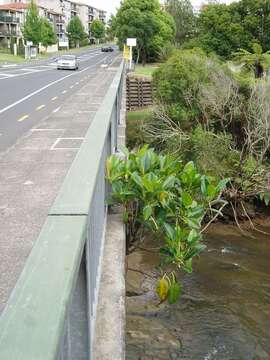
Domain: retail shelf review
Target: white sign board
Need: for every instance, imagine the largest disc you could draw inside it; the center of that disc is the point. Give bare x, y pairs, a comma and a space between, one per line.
63, 44
29, 43
132, 42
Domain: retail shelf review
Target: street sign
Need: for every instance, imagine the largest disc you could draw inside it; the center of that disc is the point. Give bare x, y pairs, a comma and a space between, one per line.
132, 42
63, 44
29, 43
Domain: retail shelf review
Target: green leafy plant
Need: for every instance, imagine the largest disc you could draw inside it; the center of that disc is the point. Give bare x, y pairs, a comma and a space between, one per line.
162, 195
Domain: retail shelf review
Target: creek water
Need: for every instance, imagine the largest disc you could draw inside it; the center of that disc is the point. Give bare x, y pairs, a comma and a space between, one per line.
224, 310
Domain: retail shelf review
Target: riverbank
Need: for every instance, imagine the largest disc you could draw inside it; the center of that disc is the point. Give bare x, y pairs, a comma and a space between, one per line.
224, 310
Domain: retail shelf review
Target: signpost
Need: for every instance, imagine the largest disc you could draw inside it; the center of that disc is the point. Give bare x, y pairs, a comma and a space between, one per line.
131, 42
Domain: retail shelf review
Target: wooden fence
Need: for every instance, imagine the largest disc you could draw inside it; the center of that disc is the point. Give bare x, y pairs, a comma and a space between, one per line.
139, 92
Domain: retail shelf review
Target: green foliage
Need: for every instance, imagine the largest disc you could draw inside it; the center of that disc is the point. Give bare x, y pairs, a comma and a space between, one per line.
164, 196
48, 36
75, 31
144, 20
213, 153
224, 29
32, 29
182, 12
110, 31
168, 288
98, 29
256, 61
177, 84
135, 121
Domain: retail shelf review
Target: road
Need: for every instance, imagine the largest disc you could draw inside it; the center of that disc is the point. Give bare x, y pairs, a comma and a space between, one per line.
30, 93
44, 116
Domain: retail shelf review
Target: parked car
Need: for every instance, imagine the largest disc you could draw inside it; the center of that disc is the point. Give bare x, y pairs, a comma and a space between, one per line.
107, 49
68, 62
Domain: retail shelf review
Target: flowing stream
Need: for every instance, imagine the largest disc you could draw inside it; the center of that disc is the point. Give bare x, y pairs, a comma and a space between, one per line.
224, 310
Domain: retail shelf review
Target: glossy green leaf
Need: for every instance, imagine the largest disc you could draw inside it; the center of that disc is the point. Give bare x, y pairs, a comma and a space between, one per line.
174, 293
186, 199
147, 212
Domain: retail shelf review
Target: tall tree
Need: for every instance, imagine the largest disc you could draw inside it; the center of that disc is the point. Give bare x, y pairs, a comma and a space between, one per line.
226, 28
48, 36
32, 27
182, 12
75, 31
111, 27
98, 29
144, 20
256, 60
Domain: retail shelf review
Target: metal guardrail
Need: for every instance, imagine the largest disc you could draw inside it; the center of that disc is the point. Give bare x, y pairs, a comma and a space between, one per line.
51, 312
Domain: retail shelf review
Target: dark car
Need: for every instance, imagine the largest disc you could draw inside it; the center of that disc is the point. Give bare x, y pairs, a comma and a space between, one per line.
107, 49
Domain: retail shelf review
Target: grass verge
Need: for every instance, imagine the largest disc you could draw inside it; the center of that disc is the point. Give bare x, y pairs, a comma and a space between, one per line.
9, 58
146, 70
6, 58
135, 120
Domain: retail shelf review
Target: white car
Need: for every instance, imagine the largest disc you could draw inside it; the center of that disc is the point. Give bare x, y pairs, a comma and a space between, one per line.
68, 62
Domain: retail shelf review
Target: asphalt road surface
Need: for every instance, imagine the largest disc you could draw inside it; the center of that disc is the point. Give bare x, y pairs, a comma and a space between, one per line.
30, 93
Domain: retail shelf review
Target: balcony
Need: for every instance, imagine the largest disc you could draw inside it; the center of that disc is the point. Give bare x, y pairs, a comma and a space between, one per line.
9, 19
60, 21
9, 33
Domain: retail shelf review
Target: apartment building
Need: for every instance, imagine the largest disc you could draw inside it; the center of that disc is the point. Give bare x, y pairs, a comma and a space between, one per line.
58, 12
11, 18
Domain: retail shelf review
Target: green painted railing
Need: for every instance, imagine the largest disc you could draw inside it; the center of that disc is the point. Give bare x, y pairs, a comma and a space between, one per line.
51, 312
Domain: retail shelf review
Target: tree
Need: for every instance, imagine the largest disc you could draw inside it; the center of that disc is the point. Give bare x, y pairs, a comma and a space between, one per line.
33, 25
144, 20
220, 31
111, 28
75, 31
182, 12
256, 60
48, 36
226, 28
98, 29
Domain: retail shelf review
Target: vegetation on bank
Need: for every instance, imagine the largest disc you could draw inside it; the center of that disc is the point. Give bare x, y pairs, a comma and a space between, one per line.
163, 195
211, 118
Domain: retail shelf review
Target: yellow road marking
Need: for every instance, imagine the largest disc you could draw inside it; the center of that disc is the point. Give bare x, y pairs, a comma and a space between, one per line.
54, 98
40, 107
24, 117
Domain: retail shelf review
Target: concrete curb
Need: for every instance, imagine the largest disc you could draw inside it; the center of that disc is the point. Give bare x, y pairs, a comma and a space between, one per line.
109, 342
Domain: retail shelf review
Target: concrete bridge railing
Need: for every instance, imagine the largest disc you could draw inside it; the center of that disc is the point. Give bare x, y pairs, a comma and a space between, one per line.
51, 312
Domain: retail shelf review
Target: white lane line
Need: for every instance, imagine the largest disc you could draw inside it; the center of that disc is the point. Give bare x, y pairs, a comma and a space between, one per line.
32, 70
71, 87
23, 118
39, 129
40, 107
64, 92
7, 75
46, 87
56, 110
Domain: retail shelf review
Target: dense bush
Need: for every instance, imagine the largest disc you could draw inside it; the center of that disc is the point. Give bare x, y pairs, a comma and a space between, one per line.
216, 118
177, 85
